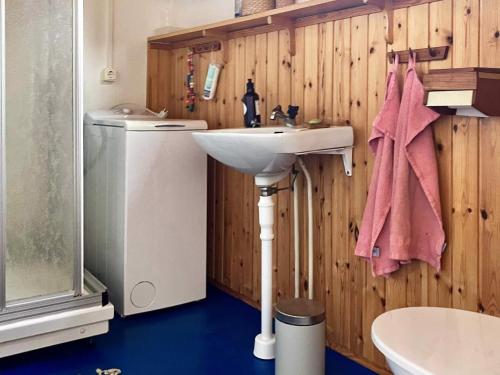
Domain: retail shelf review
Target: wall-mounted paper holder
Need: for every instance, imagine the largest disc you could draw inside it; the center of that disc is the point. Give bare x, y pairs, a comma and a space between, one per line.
472, 92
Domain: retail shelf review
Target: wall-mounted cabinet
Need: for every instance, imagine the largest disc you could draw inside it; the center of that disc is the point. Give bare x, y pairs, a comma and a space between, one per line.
472, 92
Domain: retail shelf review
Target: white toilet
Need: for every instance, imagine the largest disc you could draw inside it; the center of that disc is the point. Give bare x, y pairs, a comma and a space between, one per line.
432, 340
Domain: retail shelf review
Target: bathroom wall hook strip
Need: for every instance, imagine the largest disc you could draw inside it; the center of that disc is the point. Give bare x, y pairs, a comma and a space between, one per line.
206, 47
422, 54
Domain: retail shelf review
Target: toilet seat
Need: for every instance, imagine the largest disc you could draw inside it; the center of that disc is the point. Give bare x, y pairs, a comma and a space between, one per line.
432, 340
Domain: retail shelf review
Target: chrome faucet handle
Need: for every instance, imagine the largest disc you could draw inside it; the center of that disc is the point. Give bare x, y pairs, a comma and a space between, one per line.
276, 113
293, 111
277, 109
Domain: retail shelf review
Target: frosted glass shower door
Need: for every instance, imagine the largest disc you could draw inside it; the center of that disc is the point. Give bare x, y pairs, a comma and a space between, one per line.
40, 184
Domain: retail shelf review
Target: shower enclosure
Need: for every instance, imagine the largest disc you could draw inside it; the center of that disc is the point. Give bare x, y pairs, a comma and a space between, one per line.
41, 271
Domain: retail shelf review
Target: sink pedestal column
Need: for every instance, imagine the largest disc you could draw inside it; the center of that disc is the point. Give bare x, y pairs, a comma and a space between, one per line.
265, 341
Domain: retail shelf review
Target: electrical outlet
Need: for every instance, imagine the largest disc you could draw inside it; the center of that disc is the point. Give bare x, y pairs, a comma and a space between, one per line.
109, 75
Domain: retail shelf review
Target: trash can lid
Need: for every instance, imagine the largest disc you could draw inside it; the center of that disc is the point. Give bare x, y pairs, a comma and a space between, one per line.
300, 312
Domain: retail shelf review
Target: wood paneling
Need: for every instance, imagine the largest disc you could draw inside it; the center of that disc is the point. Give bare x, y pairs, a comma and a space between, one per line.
338, 74
489, 173
465, 155
440, 285
374, 289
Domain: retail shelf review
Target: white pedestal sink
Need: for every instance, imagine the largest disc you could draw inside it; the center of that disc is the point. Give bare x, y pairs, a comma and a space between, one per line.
268, 153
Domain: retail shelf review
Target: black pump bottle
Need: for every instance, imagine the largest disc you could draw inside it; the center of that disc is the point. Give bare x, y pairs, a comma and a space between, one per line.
251, 110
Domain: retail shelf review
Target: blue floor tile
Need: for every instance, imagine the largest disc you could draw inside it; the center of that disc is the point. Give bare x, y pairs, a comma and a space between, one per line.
214, 336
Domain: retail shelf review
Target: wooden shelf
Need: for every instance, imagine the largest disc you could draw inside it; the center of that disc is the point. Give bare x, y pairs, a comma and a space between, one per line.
275, 19
289, 17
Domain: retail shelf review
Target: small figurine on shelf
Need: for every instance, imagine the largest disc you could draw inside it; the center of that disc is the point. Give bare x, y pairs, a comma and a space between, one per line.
237, 8
190, 94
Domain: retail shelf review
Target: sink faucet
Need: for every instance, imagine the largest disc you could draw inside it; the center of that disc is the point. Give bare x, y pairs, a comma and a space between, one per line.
288, 118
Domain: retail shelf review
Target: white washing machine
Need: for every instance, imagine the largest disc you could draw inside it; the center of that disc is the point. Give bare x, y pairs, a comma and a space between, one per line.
145, 209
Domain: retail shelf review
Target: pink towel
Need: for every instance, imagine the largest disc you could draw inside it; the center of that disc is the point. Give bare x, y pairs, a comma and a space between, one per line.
416, 230
373, 240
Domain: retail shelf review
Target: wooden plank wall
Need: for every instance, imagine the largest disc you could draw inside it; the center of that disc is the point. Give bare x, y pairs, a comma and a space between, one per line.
338, 74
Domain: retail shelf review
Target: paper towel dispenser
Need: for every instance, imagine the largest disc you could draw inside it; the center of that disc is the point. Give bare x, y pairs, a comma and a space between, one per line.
473, 92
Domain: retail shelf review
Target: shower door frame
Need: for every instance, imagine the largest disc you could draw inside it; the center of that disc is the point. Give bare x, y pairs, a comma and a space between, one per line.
64, 300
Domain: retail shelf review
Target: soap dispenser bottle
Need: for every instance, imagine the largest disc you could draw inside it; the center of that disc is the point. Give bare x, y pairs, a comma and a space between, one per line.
251, 110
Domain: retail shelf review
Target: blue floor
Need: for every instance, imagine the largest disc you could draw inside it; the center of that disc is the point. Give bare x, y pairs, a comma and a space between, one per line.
214, 336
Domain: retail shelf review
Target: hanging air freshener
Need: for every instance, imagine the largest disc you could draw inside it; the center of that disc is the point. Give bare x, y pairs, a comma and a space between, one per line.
210, 87
190, 94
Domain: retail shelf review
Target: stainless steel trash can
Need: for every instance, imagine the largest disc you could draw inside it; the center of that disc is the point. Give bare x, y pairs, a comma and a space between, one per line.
300, 337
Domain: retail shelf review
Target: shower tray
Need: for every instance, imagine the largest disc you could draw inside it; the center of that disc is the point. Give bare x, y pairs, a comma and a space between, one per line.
27, 326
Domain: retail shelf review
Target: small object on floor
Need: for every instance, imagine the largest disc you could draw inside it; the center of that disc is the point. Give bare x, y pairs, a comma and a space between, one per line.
111, 371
